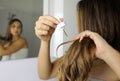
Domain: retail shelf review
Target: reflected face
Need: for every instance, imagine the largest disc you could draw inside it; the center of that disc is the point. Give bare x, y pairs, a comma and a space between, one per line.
15, 28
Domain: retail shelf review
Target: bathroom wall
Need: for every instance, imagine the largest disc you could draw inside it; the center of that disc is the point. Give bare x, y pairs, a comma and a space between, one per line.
70, 17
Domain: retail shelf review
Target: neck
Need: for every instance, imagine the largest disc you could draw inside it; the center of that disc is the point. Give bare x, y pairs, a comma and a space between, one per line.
15, 38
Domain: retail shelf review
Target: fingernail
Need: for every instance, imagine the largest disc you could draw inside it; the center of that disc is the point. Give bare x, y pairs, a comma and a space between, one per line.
80, 39
58, 22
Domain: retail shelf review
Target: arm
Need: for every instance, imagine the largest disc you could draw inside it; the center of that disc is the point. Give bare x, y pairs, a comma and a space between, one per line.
46, 69
44, 63
103, 50
112, 58
15, 46
44, 29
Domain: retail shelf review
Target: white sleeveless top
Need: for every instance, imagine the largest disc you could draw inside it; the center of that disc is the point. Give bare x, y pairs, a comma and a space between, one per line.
20, 54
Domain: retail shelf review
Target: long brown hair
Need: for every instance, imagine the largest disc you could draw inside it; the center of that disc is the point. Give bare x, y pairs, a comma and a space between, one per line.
101, 16
8, 36
77, 62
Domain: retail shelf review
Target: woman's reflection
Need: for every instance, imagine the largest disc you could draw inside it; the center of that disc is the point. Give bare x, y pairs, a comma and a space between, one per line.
13, 46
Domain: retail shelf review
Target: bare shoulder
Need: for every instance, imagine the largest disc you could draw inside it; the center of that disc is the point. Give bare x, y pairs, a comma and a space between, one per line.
22, 41
55, 67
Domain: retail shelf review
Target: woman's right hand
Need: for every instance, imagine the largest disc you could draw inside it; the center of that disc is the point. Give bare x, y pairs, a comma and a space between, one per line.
102, 47
45, 27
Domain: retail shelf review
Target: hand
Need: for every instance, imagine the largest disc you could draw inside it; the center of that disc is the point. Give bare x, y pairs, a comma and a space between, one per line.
102, 46
45, 27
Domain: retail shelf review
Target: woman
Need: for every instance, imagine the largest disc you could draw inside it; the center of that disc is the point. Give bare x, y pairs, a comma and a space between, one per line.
98, 25
13, 46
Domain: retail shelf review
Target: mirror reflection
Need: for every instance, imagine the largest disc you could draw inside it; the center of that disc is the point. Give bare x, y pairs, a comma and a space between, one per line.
17, 20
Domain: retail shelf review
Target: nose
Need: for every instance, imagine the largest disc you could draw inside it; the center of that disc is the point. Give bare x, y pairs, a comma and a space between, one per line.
16, 28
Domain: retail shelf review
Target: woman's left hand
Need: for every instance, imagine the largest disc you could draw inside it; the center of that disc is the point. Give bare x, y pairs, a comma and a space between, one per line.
102, 46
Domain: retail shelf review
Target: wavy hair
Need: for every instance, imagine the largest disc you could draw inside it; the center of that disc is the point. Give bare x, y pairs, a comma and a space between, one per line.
77, 62
101, 16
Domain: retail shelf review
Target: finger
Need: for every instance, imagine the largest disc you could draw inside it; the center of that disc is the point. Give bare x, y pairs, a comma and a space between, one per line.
38, 25
50, 18
61, 19
41, 24
79, 36
42, 32
76, 38
86, 33
48, 23
90, 34
82, 35
45, 27
51, 31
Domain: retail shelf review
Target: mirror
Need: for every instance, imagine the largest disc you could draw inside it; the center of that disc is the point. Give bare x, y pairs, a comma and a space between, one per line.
28, 11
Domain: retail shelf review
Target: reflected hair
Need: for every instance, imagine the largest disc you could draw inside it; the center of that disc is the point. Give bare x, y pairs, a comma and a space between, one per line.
8, 36
100, 16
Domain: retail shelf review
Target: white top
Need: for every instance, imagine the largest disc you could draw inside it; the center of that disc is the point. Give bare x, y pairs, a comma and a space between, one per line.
22, 53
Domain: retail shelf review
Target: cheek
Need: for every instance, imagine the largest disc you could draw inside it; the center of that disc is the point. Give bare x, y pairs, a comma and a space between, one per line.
11, 30
20, 31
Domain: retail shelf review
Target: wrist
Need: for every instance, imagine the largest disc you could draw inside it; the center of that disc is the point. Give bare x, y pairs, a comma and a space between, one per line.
45, 42
44, 48
108, 53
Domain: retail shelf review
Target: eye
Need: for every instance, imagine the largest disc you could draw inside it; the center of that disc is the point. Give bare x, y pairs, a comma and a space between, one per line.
13, 26
18, 27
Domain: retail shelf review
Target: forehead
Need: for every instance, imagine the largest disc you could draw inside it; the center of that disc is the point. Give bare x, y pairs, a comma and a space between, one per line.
16, 22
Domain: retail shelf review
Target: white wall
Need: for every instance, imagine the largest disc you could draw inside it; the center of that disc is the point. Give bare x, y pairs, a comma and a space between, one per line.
29, 6
70, 17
